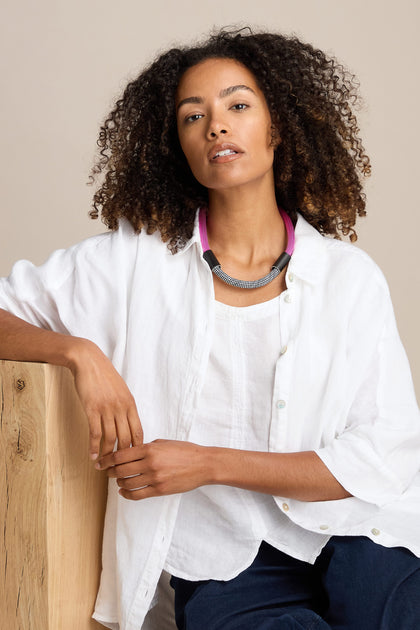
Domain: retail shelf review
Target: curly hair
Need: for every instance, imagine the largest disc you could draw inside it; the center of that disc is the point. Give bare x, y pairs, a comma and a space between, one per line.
318, 165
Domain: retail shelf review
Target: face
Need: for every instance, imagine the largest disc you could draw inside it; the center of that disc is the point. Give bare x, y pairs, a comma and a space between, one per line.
224, 125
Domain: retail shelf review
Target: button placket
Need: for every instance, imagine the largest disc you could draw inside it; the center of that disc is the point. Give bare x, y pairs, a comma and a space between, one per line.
278, 428
282, 380
289, 293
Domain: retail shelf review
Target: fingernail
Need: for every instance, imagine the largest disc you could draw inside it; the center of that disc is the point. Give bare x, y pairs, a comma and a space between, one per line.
98, 466
94, 456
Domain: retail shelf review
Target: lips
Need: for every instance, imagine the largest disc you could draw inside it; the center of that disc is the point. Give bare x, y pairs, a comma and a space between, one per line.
222, 148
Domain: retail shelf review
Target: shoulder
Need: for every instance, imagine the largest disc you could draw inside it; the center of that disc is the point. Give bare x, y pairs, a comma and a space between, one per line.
102, 244
110, 251
106, 255
357, 289
338, 264
347, 261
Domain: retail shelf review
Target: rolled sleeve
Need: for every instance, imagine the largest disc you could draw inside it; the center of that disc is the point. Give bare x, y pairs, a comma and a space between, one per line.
377, 455
81, 291
31, 292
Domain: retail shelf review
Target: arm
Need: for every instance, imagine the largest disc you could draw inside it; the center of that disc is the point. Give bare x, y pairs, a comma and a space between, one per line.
169, 467
300, 476
20, 341
109, 405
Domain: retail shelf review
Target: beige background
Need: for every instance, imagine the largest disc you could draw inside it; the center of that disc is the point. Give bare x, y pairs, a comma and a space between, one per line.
64, 62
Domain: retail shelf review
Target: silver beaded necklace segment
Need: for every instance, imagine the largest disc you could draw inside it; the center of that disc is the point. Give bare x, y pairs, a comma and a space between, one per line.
214, 265
277, 267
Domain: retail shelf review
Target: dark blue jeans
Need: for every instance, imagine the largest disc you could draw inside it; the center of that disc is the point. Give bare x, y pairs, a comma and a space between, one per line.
355, 584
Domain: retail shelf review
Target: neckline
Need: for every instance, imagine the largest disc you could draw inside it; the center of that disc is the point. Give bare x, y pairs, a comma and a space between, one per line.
276, 268
202, 224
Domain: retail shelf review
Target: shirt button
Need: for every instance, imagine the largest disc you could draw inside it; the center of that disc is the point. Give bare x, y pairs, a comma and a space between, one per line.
280, 404
323, 527
283, 350
291, 277
285, 507
288, 298
375, 531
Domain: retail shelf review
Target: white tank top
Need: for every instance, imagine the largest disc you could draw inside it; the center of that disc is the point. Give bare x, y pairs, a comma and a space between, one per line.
219, 528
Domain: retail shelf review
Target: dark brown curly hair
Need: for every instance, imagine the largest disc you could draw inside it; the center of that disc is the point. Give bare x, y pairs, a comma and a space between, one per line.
318, 166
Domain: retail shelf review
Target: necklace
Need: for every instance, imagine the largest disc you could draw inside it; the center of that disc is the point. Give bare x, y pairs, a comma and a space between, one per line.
277, 267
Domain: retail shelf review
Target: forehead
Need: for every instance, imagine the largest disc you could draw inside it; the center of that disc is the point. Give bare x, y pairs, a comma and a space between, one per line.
213, 75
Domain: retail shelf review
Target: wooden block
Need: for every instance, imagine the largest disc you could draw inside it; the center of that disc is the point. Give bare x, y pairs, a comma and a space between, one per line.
52, 503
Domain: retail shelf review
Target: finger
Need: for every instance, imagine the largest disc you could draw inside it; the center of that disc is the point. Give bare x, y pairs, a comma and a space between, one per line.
109, 434
132, 483
136, 495
123, 432
136, 428
122, 456
127, 470
95, 435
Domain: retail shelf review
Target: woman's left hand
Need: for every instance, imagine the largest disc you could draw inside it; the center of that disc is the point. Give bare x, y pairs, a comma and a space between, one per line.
169, 467
157, 468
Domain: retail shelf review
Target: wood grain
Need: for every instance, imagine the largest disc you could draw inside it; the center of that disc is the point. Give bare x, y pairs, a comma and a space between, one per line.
52, 503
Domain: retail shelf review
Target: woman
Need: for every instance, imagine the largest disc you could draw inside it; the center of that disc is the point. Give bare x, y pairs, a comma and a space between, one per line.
277, 476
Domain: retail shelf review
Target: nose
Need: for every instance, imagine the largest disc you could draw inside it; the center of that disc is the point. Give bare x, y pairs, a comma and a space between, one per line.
214, 134
216, 128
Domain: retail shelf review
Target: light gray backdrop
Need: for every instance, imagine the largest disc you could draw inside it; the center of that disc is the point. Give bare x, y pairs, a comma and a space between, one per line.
64, 62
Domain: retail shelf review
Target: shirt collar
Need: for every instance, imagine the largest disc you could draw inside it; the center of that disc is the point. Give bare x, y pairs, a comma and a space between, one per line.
308, 259
310, 255
195, 238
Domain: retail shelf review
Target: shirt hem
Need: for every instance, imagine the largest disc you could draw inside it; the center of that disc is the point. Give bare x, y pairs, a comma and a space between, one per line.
225, 578
106, 620
310, 559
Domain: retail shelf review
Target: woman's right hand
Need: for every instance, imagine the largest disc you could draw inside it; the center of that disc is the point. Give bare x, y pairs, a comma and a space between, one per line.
109, 405
107, 401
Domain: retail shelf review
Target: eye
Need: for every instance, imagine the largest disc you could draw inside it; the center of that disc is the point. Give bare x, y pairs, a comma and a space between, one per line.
193, 118
239, 107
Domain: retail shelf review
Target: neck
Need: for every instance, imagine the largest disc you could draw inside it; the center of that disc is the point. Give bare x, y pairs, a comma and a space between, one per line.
246, 227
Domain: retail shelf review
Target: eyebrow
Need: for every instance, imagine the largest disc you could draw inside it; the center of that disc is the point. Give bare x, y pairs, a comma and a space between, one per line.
222, 94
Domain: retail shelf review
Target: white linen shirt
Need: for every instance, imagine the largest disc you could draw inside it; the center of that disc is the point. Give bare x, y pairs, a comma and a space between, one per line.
234, 411
343, 387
